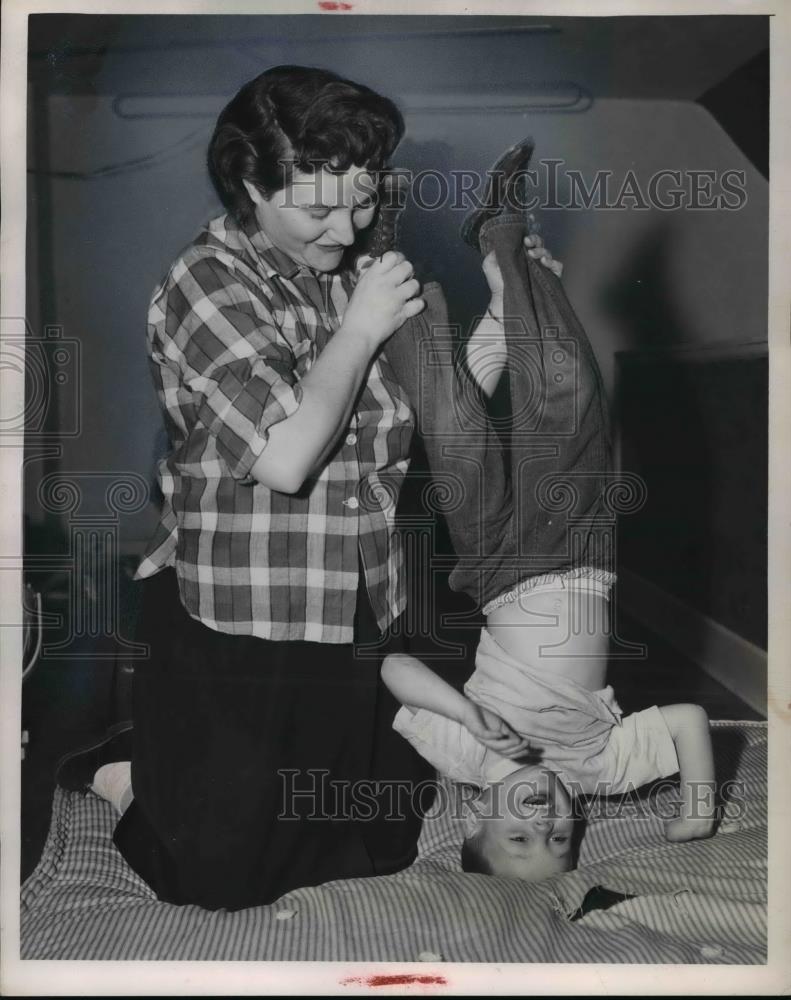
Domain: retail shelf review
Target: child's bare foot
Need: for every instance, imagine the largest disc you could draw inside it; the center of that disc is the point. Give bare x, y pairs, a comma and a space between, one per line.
684, 828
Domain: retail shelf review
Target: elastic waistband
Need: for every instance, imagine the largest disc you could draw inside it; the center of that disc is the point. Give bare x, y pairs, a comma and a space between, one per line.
586, 579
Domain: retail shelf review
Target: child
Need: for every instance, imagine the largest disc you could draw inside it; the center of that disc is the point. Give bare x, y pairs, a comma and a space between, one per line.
541, 567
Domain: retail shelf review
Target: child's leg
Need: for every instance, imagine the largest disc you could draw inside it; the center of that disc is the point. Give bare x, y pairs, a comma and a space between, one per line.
560, 455
559, 449
464, 452
465, 455
560, 463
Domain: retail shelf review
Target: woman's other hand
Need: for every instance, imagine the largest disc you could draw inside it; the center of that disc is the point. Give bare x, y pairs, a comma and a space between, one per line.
536, 249
534, 246
385, 297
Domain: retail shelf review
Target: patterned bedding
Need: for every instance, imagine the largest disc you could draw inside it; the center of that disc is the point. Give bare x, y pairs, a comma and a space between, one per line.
701, 902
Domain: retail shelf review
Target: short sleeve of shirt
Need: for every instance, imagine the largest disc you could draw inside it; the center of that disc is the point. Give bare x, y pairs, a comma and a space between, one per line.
221, 337
639, 750
445, 744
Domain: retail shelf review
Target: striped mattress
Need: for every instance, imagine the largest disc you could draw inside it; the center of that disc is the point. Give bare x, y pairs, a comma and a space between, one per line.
701, 902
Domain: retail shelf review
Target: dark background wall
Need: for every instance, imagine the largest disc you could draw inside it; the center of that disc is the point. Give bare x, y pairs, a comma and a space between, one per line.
121, 108
694, 428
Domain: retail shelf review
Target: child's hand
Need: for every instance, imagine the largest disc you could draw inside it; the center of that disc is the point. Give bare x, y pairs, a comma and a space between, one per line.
494, 732
689, 727
684, 828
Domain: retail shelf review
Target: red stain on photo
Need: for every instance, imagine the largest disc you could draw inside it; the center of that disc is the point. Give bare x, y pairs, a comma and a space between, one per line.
334, 5
403, 980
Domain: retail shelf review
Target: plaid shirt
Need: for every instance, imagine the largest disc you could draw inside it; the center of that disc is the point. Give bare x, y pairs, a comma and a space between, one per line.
232, 329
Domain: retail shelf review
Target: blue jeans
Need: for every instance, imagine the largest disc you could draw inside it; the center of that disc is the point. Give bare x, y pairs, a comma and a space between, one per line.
525, 496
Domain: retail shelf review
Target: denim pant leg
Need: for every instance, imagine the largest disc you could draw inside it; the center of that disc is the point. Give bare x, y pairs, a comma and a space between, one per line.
465, 455
560, 458
538, 506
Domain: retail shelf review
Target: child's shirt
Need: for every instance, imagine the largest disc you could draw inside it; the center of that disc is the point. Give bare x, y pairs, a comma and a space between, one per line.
581, 734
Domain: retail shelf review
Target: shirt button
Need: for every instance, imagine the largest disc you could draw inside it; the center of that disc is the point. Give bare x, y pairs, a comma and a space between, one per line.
351, 439
352, 502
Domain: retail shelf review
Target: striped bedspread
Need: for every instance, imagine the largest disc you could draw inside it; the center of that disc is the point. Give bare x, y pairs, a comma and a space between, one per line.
701, 902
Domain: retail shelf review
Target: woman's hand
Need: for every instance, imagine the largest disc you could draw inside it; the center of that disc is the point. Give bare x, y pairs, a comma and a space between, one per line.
534, 246
298, 447
537, 250
385, 296
488, 728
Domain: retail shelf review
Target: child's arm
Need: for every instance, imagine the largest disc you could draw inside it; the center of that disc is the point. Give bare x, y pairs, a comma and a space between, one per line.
417, 686
689, 727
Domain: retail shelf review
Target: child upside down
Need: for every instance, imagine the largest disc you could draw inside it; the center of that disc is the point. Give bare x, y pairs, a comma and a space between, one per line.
533, 530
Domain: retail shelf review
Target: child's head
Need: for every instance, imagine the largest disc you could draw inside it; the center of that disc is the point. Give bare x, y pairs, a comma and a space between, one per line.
521, 827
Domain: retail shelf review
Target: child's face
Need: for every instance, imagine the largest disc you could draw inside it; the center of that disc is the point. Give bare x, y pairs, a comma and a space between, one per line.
527, 829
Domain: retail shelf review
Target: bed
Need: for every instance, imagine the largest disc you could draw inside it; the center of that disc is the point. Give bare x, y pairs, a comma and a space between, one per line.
632, 898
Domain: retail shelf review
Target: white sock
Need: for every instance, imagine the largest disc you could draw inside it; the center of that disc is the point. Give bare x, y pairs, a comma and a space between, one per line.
113, 782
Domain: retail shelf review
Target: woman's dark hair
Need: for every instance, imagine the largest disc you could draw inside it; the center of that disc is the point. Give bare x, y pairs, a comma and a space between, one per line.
295, 117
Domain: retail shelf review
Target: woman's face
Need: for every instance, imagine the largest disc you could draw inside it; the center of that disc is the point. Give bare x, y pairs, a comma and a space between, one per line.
316, 217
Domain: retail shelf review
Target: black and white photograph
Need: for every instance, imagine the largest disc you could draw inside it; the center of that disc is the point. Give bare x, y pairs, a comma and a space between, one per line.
394, 422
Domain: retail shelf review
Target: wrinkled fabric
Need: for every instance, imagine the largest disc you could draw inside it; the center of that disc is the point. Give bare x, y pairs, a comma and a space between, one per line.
579, 734
536, 503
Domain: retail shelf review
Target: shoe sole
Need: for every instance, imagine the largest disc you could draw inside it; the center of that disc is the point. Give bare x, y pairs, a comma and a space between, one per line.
114, 731
512, 161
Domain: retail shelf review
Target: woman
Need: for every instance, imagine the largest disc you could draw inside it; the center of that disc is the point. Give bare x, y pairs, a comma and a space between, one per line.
260, 722
273, 560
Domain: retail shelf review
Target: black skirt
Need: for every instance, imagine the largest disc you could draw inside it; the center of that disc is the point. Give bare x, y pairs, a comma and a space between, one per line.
258, 766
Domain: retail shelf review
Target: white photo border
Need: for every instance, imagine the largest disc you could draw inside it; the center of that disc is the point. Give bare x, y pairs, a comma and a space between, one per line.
85, 978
